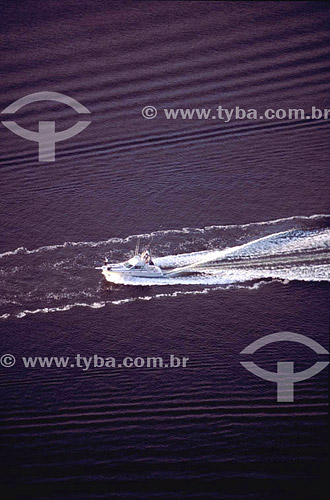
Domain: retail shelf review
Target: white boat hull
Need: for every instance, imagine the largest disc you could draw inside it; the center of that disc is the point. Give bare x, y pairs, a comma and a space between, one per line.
119, 275
136, 267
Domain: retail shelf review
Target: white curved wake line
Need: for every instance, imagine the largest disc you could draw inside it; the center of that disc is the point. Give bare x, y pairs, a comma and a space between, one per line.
101, 304
269, 222
184, 230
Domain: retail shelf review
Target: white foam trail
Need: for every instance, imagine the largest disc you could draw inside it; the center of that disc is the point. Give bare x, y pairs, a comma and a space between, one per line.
98, 305
185, 230
270, 222
235, 275
45, 310
317, 274
288, 239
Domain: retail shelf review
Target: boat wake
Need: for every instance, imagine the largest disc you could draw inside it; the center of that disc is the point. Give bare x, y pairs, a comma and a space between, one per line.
60, 277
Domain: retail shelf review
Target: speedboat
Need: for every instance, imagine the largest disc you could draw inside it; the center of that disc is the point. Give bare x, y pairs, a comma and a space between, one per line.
139, 266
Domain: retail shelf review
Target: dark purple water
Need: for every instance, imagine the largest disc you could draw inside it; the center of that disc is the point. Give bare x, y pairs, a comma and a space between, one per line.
242, 201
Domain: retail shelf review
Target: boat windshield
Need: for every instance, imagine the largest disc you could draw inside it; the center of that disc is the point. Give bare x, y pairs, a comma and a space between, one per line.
126, 264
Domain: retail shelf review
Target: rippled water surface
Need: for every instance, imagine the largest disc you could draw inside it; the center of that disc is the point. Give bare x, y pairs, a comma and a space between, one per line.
237, 210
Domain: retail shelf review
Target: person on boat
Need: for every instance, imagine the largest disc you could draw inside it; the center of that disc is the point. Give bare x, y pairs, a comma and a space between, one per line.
147, 258
149, 261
